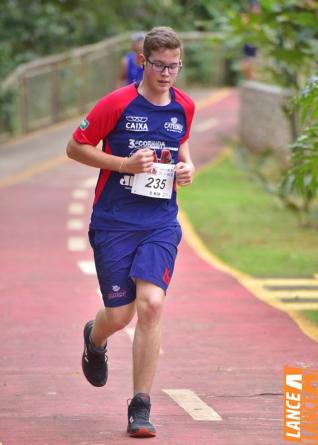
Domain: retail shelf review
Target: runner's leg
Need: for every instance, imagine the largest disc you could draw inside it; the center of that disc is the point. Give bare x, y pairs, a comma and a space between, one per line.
109, 320
146, 344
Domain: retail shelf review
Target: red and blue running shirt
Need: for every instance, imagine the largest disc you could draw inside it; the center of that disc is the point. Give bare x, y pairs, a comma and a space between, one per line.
125, 121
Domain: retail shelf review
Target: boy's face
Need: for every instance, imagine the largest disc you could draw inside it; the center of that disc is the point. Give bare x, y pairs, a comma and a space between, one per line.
156, 78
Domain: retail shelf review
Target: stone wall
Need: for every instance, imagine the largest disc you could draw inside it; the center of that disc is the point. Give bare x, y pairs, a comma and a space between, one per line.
263, 123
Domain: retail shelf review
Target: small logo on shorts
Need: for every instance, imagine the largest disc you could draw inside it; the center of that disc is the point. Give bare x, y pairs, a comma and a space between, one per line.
116, 292
166, 276
84, 124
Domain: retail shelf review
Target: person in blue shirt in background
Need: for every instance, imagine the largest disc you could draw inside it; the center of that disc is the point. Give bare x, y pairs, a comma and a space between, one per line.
131, 71
249, 51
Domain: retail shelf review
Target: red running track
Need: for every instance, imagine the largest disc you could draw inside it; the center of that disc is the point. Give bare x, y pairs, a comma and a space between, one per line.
219, 340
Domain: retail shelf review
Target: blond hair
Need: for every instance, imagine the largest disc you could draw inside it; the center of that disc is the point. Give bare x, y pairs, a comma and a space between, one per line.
161, 37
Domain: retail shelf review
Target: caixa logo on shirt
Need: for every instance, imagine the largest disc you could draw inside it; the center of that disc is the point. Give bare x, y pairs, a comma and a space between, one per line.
173, 125
137, 123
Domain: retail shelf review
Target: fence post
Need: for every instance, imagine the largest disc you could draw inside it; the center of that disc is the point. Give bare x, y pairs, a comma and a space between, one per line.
23, 102
55, 97
83, 83
51, 68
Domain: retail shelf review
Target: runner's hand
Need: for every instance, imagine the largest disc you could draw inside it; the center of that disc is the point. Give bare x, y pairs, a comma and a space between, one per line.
140, 162
184, 173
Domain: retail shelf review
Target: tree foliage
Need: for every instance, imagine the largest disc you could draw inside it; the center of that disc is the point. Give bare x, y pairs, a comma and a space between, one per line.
286, 34
34, 28
302, 176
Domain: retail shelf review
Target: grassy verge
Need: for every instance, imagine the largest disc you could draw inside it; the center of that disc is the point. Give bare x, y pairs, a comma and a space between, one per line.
312, 316
247, 227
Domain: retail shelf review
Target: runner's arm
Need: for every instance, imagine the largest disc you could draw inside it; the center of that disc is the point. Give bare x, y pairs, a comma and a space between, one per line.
184, 168
141, 161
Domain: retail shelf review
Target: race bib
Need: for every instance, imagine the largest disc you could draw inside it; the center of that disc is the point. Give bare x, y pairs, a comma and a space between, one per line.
155, 185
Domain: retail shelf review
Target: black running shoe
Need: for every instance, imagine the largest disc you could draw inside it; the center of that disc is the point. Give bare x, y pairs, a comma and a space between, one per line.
139, 424
94, 360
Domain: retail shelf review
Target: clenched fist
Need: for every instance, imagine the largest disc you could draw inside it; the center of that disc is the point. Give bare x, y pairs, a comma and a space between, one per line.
184, 173
139, 162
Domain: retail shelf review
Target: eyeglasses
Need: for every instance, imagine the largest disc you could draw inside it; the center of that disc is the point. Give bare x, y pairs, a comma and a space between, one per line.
159, 67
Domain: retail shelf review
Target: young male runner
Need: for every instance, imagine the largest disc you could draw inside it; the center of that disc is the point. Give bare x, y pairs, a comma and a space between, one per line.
134, 230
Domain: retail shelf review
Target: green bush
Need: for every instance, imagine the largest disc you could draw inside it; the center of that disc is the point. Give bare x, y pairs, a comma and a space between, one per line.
204, 63
8, 111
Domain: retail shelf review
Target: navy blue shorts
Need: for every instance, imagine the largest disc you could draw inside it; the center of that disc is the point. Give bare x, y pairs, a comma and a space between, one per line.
120, 257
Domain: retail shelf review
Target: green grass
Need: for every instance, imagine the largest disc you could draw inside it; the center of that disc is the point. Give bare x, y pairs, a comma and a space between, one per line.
312, 316
247, 227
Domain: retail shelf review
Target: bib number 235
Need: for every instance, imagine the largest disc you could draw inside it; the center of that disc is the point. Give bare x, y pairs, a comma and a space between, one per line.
155, 185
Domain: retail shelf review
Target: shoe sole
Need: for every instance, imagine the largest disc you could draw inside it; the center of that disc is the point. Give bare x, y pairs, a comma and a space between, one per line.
97, 385
142, 432
88, 327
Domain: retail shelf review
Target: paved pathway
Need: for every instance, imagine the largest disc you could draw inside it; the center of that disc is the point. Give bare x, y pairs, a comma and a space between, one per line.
223, 350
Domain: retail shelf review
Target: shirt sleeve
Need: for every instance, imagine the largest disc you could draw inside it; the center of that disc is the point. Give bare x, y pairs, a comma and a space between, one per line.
99, 122
189, 113
188, 106
102, 119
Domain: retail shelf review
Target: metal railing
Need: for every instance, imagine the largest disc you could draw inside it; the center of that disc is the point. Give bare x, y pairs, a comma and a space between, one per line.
54, 88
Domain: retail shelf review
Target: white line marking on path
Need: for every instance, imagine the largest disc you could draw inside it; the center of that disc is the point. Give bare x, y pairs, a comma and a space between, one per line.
76, 208
75, 224
205, 125
192, 404
87, 267
76, 244
79, 194
131, 333
89, 182
297, 294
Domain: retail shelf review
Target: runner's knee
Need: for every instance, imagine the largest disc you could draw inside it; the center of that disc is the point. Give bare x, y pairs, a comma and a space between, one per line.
119, 317
149, 309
